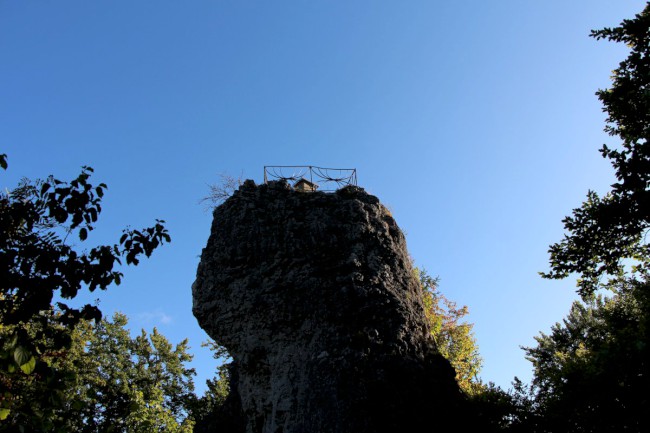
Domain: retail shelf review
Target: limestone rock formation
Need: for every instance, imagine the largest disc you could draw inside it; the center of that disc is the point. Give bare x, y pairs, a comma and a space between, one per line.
314, 296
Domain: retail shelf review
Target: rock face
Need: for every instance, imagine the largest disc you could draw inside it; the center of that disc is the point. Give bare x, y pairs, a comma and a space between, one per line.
314, 296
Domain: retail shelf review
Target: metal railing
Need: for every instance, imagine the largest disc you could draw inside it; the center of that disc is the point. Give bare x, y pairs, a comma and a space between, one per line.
326, 179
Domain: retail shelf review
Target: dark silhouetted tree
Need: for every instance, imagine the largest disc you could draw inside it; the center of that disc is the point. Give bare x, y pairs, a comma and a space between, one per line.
38, 264
592, 372
605, 231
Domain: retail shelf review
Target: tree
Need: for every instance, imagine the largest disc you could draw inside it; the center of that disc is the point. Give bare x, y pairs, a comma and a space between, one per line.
512, 411
454, 338
604, 233
37, 263
219, 386
219, 409
119, 383
126, 384
592, 372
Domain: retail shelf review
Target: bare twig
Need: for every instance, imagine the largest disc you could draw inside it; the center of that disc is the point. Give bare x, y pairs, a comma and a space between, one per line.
221, 190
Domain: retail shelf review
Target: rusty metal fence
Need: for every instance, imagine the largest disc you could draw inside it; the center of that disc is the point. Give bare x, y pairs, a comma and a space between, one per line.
324, 179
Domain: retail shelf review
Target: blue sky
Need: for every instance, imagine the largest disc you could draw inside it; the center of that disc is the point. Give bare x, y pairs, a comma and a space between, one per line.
474, 122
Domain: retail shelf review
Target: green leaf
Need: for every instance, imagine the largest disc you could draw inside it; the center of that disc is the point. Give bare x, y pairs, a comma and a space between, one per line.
22, 355
29, 366
4, 413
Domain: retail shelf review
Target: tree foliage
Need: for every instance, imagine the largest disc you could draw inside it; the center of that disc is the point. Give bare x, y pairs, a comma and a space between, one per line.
38, 263
209, 409
453, 336
605, 231
117, 383
514, 411
130, 384
592, 372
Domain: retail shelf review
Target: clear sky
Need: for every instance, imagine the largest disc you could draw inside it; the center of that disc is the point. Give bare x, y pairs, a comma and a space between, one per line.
475, 122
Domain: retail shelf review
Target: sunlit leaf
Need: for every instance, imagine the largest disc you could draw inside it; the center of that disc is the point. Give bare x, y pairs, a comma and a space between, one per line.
29, 366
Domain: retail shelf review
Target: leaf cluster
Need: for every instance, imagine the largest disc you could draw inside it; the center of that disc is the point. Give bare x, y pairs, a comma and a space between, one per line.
606, 232
591, 372
113, 383
129, 384
453, 336
38, 262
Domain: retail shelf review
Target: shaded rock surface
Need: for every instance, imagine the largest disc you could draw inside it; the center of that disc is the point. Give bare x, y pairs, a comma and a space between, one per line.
314, 296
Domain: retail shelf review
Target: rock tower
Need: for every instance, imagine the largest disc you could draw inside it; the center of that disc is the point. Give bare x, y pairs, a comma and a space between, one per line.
314, 296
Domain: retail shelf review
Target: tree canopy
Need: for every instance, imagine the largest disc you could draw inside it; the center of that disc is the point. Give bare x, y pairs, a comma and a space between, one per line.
115, 383
454, 337
128, 384
38, 264
606, 232
591, 372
